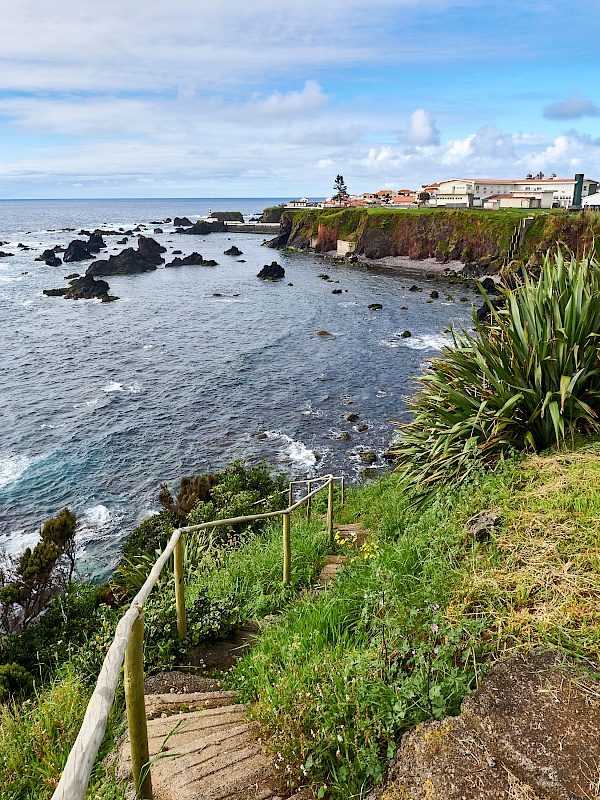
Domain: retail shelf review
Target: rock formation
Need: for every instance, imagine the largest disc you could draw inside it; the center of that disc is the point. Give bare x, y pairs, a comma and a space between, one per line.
271, 272
131, 261
193, 260
233, 251
85, 288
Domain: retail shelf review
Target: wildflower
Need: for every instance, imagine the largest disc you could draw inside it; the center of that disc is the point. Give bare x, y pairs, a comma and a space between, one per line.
435, 628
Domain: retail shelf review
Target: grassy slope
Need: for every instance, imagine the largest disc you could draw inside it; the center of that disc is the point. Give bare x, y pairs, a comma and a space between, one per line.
402, 635
406, 632
444, 233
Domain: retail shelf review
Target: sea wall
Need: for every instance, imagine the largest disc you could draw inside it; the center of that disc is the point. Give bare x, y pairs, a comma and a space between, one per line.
470, 236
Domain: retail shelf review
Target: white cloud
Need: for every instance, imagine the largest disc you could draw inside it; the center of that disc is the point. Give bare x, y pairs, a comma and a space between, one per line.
305, 103
574, 107
422, 130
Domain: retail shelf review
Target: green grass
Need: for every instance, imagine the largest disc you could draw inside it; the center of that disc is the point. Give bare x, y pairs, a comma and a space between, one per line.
37, 735
405, 634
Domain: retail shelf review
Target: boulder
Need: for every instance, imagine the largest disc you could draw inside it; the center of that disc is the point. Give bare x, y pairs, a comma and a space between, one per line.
158, 230
434, 294
5, 255
367, 457
77, 250
406, 334
130, 261
323, 333
351, 416
233, 251
484, 313
375, 306
122, 241
529, 731
415, 288
50, 258
482, 525
182, 222
271, 272
336, 291
489, 286
85, 288
193, 260
95, 243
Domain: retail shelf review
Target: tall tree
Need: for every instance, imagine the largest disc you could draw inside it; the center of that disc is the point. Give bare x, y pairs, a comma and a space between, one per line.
340, 189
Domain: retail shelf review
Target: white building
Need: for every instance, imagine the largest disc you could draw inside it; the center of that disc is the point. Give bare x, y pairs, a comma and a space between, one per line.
477, 192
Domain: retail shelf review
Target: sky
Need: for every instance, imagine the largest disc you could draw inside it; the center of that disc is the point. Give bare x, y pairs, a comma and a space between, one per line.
263, 98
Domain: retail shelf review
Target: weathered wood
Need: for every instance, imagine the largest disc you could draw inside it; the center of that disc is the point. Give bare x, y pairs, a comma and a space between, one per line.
136, 709
308, 500
180, 588
330, 510
76, 774
287, 550
343, 497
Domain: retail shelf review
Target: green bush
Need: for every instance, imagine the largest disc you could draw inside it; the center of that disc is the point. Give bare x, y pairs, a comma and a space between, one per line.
14, 682
527, 380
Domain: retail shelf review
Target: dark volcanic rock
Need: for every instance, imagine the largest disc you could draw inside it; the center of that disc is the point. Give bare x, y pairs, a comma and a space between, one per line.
193, 260
85, 288
50, 258
488, 285
483, 312
130, 261
182, 222
233, 251
202, 228
5, 255
95, 243
158, 230
122, 241
77, 251
271, 272
375, 306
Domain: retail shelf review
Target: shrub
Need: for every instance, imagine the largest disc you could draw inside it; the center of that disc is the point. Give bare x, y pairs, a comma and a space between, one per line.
525, 381
14, 681
29, 582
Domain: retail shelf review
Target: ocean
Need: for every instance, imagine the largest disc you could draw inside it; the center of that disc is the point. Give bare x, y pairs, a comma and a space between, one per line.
191, 368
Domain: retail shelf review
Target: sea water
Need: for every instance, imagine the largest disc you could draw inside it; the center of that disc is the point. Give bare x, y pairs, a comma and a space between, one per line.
191, 368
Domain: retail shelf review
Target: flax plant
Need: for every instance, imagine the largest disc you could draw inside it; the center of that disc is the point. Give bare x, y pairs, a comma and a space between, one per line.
526, 380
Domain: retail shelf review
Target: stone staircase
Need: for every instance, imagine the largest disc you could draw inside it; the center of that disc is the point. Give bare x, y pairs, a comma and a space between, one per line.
201, 745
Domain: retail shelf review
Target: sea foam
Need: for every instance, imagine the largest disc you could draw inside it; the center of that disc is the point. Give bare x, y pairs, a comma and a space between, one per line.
12, 467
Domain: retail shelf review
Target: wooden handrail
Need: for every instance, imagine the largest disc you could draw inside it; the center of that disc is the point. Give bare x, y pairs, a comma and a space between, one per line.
78, 768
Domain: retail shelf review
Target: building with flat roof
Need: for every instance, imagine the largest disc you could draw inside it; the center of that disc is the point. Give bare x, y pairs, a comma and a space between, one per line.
550, 192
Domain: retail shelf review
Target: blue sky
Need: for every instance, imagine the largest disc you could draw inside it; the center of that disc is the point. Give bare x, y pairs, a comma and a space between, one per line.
272, 99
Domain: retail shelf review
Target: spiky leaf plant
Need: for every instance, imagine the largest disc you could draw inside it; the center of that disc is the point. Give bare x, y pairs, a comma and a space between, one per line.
524, 381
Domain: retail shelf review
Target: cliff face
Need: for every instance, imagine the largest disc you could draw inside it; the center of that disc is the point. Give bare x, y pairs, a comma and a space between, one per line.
446, 235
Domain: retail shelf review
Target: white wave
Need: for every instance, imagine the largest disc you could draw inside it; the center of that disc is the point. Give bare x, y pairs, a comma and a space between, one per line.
96, 516
27, 302
427, 342
348, 304
53, 427
311, 411
135, 388
113, 386
88, 403
293, 451
148, 346
381, 393
12, 467
11, 278
392, 343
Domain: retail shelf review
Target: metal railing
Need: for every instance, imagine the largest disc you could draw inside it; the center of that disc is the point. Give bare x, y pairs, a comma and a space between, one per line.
127, 646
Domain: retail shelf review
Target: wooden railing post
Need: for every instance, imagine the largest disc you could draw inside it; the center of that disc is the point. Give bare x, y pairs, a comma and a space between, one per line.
287, 550
309, 501
290, 494
330, 510
343, 498
180, 588
136, 709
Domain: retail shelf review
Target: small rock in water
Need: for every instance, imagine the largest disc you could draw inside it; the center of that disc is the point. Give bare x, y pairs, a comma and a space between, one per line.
260, 436
375, 306
351, 416
362, 427
336, 291
233, 251
325, 277
367, 457
406, 334
271, 272
415, 288
323, 333
343, 436
434, 294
